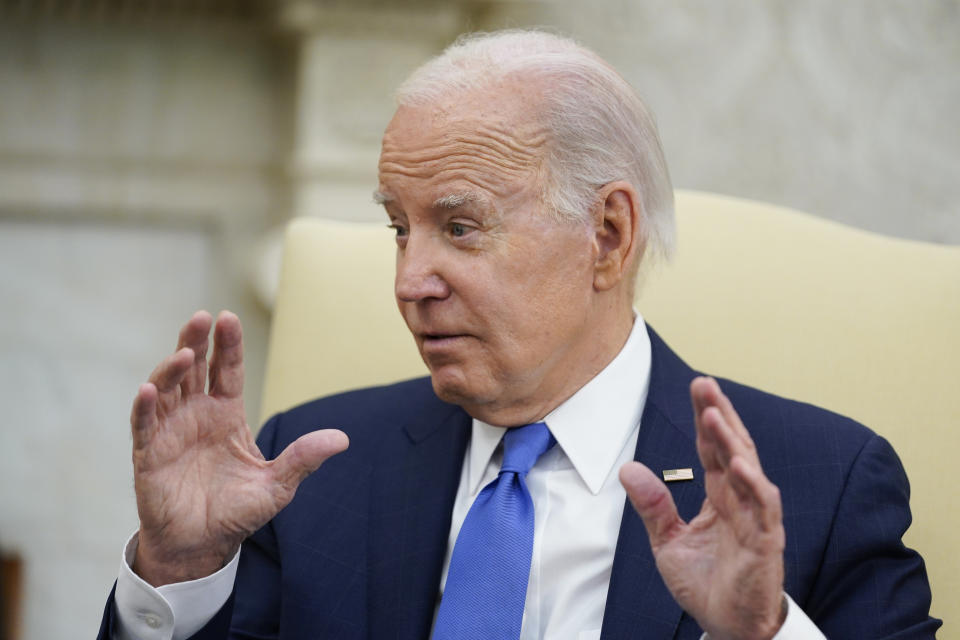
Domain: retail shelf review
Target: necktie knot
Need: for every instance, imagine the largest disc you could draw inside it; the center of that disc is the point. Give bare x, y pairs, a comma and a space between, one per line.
522, 446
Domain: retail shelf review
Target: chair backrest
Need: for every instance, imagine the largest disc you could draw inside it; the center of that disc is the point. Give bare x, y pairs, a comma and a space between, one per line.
858, 323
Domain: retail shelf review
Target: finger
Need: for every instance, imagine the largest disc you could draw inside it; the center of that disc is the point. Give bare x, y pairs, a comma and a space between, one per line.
226, 365
756, 492
713, 449
305, 455
143, 415
705, 446
717, 442
720, 450
194, 334
653, 502
719, 438
705, 392
168, 375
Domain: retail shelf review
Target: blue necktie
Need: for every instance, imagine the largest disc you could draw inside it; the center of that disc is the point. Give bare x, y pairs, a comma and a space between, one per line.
487, 580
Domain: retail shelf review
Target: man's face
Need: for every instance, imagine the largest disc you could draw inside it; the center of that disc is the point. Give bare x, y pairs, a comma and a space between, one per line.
495, 290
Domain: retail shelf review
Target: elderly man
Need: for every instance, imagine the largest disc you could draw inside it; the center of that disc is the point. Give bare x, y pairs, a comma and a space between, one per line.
525, 183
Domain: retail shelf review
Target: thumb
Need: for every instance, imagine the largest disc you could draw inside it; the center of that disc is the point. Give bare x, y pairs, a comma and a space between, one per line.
304, 455
652, 501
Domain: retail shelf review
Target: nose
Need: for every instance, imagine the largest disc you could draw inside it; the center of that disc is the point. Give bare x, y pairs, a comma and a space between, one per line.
419, 272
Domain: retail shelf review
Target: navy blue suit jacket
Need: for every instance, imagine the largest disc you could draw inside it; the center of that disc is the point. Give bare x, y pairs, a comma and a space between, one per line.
358, 553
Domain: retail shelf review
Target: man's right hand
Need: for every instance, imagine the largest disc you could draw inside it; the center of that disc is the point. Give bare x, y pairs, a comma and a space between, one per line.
202, 484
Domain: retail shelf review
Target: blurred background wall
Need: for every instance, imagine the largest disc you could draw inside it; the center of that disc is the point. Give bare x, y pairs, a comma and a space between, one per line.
150, 151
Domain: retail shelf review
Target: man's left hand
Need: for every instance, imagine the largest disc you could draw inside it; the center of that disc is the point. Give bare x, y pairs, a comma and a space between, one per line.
724, 567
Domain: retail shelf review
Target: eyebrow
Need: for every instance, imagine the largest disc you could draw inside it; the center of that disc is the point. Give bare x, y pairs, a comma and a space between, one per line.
450, 201
455, 200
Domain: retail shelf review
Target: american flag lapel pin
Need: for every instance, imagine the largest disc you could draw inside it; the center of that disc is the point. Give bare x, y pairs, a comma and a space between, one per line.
676, 475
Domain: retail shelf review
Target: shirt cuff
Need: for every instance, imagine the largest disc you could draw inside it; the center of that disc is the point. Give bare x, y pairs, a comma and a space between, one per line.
171, 612
796, 626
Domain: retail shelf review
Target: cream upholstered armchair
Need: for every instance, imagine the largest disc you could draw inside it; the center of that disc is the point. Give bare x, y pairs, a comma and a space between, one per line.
865, 325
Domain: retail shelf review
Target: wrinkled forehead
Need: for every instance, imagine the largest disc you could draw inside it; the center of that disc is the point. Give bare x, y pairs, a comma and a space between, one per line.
486, 136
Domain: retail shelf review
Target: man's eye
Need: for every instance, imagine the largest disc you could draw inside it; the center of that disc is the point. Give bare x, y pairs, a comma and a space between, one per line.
457, 229
400, 231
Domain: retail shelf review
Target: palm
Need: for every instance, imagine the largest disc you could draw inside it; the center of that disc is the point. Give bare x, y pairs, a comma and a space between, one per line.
202, 484
203, 450
714, 559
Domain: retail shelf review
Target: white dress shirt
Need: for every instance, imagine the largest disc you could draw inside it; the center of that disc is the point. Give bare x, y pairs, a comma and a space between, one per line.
578, 503
577, 497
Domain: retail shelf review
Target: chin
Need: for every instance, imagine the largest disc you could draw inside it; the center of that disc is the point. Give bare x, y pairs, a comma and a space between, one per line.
449, 391
454, 387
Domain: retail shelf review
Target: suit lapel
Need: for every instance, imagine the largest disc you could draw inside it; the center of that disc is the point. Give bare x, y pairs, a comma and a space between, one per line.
638, 602
409, 541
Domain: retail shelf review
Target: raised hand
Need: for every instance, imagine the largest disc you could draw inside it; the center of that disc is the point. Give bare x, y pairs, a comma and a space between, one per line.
202, 484
724, 567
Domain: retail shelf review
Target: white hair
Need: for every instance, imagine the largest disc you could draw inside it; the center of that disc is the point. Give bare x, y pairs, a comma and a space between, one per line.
599, 128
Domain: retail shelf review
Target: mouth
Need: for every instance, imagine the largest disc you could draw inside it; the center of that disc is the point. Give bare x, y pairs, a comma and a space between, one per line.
441, 341
440, 337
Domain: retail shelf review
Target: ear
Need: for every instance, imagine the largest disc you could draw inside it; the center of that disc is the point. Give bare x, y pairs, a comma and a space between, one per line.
617, 225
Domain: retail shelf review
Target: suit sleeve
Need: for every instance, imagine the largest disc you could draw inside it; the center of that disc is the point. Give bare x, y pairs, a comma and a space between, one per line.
870, 585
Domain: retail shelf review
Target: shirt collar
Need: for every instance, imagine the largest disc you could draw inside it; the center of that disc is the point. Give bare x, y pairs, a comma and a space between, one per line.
593, 425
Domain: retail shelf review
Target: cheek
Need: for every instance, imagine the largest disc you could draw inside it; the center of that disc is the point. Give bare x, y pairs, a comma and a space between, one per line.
561, 287
529, 297
536, 318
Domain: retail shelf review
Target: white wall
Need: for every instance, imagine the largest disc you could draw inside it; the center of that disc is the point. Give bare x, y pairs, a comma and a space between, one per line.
78, 330
138, 168
847, 109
